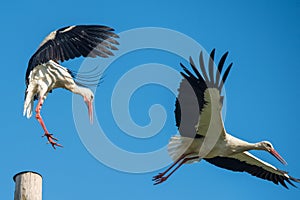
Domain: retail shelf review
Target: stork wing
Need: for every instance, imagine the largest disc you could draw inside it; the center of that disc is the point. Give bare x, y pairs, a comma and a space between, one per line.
191, 102
246, 162
74, 41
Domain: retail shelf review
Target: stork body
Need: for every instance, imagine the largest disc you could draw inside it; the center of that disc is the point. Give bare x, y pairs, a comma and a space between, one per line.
202, 133
45, 74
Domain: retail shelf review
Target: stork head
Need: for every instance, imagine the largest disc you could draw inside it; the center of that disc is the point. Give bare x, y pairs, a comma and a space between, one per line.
88, 97
267, 146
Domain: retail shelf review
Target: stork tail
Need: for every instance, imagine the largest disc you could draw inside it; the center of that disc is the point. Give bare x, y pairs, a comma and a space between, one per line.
178, 146
28, 106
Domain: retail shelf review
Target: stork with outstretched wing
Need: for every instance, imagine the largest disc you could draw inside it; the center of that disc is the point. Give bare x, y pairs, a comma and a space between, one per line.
44, 73
202, 133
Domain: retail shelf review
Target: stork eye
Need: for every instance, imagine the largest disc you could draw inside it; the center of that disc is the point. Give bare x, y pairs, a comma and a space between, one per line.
268, 145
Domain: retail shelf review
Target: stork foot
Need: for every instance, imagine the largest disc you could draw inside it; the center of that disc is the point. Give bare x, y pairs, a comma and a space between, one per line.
158, 176
51, 140
159, 179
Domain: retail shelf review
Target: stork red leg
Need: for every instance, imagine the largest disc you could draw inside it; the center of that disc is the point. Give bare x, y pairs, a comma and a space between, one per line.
38, 116
161, 178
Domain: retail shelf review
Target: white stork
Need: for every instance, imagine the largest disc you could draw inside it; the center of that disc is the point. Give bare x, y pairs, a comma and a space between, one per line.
45, 74
202, 133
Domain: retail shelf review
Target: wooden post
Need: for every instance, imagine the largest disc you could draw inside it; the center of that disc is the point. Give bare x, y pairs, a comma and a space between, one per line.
28, 186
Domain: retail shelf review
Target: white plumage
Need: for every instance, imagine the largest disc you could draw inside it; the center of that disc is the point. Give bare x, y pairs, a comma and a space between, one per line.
43, 79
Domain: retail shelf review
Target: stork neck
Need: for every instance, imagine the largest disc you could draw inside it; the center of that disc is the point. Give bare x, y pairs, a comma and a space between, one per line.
240, 145
259, 146
246, 146
252, 146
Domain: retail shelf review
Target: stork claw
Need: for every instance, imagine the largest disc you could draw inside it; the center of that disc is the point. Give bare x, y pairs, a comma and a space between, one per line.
53, 144
49, 135
159, 180
159, 176
51, 140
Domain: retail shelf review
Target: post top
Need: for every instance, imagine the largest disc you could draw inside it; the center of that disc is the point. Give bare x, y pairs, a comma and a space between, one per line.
24, 172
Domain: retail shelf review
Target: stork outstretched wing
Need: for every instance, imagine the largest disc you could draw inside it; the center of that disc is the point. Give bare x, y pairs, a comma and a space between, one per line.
192, 102
74, 41
246, 162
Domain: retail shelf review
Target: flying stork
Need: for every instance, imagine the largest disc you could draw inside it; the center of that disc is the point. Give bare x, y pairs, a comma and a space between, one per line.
44, 73
202, 133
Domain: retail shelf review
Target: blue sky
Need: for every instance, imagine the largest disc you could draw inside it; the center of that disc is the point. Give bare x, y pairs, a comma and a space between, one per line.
263, 40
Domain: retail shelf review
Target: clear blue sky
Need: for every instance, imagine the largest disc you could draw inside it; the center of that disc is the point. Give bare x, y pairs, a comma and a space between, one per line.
263, 40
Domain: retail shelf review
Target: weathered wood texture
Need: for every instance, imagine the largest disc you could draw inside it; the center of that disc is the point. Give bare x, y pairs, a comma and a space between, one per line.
28, 186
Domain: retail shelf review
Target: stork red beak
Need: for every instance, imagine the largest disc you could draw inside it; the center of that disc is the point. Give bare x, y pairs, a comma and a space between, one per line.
89, 104
90, 108
277, 156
